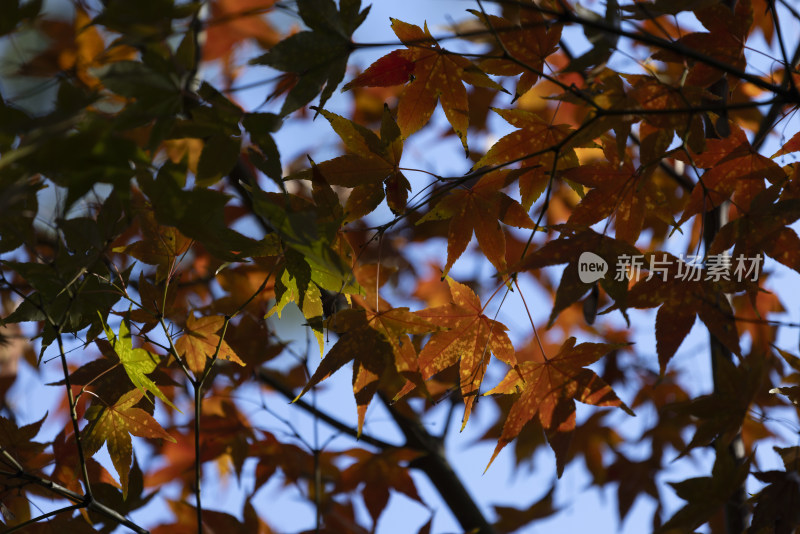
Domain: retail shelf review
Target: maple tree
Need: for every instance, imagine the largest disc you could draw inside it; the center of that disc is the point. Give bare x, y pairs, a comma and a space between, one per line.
190, 290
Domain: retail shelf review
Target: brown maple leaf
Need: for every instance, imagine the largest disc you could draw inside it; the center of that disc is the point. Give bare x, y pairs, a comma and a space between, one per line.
376, 474
734, 168
706, 495
622, 191
684, 291
569, 248
372, 168
719, 415
549, 389
763, 229
535, 139
160, 245
376, 343
528, 41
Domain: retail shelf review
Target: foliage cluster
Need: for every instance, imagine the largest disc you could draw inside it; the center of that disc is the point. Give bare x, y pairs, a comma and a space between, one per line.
147, 218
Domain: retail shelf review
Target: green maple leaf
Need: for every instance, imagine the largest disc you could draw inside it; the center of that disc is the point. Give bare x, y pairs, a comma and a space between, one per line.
318, 56
137, 362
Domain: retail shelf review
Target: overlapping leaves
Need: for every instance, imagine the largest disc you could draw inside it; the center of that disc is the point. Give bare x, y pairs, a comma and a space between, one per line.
480, 209
432, 73
372, 169
548, 390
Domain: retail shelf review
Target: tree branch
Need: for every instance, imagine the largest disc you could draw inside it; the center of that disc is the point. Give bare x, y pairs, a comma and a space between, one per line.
434, 464
84, 501
735, 509
331, 421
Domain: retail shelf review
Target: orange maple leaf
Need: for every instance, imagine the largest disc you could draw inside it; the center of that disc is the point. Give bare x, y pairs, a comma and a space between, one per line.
479, 209
200, 342
75, 48
434, 74
469, 339
233, 21
549, 390
536, 138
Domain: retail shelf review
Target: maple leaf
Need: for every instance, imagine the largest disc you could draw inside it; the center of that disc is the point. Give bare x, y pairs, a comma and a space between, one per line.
720, 415
651, 94
233, 21
536, 145
18, 440
396, 325
763, 228
777, 504
312, 235
635, 478
535, 138
319, 57
683, 291
478, 209
528, 41
512, 519
78, 47
548, 391
159, 246
114, 425
792, 145
373, 342
376, 474
295, 285
469, 339
433, 74
622, 191
138, 363
568, 248
724, 41
200, 341
791, 392
372, 167
734, 168
706, 495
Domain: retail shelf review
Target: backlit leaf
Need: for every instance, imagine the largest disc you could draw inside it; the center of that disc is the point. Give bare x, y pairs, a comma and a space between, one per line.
548, 391
468, 338
200, 342
138, 363
114, 426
